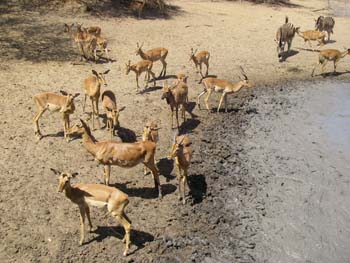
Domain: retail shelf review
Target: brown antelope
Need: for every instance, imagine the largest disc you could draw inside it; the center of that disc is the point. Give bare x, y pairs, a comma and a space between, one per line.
222, 86
150, 133
80, 37
199, 58
330, 55
85, 195
312, 35
139, 68
92, 88
94, 30
109, 105
153, 55
95, 42
181, 150
122, 154
176, 96
54, 103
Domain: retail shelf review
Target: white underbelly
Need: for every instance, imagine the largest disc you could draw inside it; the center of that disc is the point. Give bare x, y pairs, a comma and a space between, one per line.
218, 89
96, 203
53, 107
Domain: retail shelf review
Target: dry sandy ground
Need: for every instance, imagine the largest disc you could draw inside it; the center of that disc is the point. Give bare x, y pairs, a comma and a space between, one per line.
219, 223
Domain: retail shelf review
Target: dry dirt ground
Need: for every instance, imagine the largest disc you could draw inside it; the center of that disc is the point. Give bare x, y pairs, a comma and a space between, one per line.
223, 220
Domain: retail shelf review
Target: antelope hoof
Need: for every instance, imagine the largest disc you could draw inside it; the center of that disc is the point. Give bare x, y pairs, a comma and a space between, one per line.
125, 253
81, 242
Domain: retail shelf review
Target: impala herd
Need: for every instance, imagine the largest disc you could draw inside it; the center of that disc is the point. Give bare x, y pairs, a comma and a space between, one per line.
109, 152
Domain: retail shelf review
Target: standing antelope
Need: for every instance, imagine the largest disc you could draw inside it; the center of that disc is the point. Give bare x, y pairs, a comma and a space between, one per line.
284, 34
122, 154
109, 105
97, 195
325, 24
139, 68
222, 86
54, 103
199, 58
153, 55
312, 35
150, 133
81, 38
181, 150
92, 88
330, 55
176, 97
94, 30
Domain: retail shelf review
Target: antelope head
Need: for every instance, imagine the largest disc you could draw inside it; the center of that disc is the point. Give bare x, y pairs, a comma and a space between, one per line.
150, 131
68, 28
192, 55
176, 148
115, 115
245, 82
128, 67
64, 179
166, 92
138, 49
69, 107
101, 77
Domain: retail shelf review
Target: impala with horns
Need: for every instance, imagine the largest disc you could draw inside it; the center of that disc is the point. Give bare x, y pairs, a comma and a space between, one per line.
109, 105
181, 151
176, 97
139, 68
153, 55
121, 154
92, 88
150, 133
54, 103
199, 58
330, 55
222, 86
85, 195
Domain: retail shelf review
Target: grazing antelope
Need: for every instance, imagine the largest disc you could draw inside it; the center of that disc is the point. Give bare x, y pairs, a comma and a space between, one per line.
153, 55
312, 35
284, 34
199, 58
330, 55
109, 105
222, 86
325, 24
80, 37
92, 88
139, 68
85, 195
122, 154
176, 96
181, 150
150, 133
54, 103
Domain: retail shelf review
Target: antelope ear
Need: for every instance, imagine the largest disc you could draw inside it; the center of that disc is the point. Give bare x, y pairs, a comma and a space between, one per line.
63, 92
76, 95
106, 72
94, 72
75, 174
55, 171
121, 109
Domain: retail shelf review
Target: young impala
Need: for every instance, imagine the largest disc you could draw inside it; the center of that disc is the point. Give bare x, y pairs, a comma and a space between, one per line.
85, 195
222, 86
54, 103
199, 58
139, 68
330, 55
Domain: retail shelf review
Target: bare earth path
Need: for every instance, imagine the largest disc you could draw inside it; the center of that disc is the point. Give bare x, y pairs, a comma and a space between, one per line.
229, 218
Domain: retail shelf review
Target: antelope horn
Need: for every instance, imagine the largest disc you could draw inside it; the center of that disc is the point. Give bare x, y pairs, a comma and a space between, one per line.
183, 137
243, 73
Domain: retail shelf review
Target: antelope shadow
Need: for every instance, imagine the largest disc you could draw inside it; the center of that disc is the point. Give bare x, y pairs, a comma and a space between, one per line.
145, 192
137, 237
